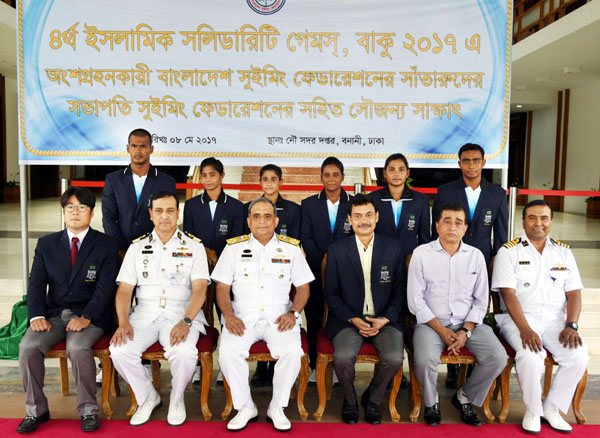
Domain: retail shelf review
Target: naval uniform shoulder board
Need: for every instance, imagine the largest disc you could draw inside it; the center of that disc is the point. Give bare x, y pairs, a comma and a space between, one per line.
288, 239
142, 237
194, 238
238, 239
512, 243
559, 243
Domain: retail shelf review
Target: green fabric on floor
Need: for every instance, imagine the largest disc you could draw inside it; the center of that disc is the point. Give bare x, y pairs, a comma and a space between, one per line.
11, 334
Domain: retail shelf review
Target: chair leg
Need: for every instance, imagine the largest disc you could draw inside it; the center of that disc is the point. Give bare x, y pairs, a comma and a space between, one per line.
489, 417
107, 373
207, 364
156, 375
329, 379
322, 365
462, 375
133, 407
302, 383
416, 393
547, 379
505, 390
64, 376
393, 395
115, 390
577, 399
228, 401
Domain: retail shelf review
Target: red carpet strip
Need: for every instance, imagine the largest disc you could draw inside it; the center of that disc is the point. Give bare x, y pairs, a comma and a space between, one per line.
213, 429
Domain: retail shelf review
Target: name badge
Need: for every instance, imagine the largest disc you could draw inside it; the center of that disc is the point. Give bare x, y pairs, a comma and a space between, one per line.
487, 219
91, 273
411, 223
384, 275
176, 278
223, 227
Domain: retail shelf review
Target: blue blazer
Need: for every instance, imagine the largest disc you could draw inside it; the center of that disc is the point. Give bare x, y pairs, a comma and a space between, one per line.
227, 223
491, 212
88, 288
345, 285
413, 227
288, 213
315, 229
123, 217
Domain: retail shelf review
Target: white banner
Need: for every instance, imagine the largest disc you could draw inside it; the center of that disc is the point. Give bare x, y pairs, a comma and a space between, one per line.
258, 81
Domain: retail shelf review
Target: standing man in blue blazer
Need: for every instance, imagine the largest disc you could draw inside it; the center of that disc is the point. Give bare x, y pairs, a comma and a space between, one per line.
324, 221
127, 192
365, 289
70, 295
403, 212
213, 216
488, 210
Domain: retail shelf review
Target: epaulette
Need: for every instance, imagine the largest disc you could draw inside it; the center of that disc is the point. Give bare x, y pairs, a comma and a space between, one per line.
512, 243
559, 243
238, 239
142, 237
194, 238
288, 239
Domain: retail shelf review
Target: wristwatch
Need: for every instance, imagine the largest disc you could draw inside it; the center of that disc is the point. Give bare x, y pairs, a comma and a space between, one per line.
467, 331
573, 325
296, 314
89, 318
187, 322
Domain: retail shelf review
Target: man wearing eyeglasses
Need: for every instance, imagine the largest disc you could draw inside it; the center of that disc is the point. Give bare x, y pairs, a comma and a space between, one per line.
487, 209
71, 289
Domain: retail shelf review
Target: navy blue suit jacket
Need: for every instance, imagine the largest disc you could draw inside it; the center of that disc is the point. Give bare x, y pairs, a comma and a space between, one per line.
288, 213
413, 227
315, 229
123, 217
88, 288
227, 223
345, 285
491, 212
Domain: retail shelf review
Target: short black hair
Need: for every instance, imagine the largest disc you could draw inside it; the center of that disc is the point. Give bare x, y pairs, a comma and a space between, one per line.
471, 147
272, 167
451, 206
163, 194
332, 161
83, 195
394, 157
212, 161
262, 199
140, 132
535, 203
360, 199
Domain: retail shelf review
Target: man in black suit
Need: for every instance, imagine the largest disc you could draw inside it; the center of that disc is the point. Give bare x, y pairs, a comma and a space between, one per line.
365, 289
487, 207
71, 291
127, 192
324, 221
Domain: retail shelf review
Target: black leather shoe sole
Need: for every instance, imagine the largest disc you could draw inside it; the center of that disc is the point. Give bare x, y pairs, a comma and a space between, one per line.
29, 425
469, 419
433, 417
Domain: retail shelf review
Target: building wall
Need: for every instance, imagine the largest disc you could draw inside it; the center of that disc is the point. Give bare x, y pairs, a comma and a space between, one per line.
543, 135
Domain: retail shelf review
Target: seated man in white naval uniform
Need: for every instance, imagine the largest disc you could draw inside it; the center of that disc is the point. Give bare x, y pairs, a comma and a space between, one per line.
541, 289
259, 270
169, 272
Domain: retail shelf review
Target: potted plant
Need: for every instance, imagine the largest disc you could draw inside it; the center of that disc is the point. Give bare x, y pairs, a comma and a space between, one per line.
11, 189
554, 201
593, 207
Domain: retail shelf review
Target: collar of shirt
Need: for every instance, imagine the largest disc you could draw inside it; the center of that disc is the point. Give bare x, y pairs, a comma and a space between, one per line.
254, 242
360, 245
152, 171
331, 205
438, 246
221, 199
344, 197
80, 236
387, 196
177, 235
139, 179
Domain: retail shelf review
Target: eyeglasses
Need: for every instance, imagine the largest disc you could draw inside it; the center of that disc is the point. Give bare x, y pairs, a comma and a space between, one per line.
467, 161
71, 208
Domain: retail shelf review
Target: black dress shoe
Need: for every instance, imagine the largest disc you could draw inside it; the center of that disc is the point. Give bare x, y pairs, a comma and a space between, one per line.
29, 424
350, 412
433, 416
90, 423
452, 376
372, 412
259, 379
467, 414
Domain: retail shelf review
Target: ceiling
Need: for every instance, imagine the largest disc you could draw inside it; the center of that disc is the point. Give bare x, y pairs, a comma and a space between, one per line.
563, 55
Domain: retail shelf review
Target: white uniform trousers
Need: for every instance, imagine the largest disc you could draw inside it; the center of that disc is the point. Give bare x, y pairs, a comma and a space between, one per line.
182, 359
530, 366
284, 346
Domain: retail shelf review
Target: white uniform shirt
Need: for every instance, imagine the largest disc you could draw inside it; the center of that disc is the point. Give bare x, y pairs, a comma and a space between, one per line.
163, 276
540, 280
261, 276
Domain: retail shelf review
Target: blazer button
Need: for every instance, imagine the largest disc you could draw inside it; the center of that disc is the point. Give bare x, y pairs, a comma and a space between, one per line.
136, 223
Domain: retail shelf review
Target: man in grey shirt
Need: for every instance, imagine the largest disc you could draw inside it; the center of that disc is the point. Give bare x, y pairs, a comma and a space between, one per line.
448, 293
